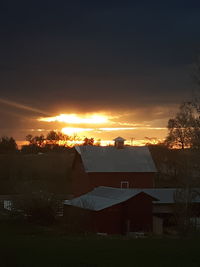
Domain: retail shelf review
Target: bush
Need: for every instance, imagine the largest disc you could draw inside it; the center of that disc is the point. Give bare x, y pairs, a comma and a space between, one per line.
39, 208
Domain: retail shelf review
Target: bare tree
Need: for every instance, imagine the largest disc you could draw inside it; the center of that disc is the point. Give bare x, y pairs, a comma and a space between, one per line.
181, 128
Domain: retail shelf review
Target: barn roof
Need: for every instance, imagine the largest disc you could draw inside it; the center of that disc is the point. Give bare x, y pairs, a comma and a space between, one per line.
103, 197
164, 195
111, 159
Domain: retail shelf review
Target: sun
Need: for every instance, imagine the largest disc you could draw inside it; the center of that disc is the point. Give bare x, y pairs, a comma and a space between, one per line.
77, 119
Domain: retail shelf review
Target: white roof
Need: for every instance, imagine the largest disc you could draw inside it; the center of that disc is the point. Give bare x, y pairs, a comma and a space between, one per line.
111, 159
164, 195
103, 197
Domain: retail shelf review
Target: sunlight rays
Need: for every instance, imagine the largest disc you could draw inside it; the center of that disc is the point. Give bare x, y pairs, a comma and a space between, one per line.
77, 119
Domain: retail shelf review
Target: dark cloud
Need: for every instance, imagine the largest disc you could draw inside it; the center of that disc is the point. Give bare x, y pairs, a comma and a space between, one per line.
88, 56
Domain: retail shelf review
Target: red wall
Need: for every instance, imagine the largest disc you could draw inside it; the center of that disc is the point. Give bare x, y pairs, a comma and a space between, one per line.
108, 220
80, 179
138, 211
135, 179
113, 220
83, 182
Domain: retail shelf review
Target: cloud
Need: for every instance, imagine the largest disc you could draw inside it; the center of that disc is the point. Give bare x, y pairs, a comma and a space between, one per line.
128, 59
6, 68
14, 104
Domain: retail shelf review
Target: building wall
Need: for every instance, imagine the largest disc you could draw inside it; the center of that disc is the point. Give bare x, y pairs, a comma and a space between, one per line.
132, 215
83, 182
163, 208
79, 178
157, 225
135, 180
138, 214
108, 220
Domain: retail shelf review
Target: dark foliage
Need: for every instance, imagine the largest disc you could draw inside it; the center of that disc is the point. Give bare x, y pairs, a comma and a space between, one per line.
88, 141
40, 207
7, 145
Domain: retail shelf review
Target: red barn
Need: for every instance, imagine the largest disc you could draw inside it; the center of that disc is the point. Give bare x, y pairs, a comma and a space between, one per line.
110, 210
115, 166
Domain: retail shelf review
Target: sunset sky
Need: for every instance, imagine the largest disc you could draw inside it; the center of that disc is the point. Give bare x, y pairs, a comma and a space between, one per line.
112, 67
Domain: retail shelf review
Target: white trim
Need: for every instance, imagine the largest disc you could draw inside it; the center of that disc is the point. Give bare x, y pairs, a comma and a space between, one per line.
126, 183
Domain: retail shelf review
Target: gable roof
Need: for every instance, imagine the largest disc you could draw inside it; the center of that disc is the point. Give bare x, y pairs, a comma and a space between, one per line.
103, 197
111, 159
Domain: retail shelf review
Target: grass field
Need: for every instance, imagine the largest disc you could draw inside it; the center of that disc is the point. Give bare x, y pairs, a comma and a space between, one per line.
28, 246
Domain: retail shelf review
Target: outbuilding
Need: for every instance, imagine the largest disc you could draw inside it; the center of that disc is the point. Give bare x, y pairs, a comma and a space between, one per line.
121, 211
111, 211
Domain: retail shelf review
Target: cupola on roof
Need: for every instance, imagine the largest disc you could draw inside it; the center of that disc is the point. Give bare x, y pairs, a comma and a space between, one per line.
119, 139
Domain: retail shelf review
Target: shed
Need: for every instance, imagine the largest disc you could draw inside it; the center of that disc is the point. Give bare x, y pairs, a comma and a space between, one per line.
110, 210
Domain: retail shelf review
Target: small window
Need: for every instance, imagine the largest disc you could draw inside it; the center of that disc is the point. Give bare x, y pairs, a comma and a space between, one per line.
124, 184
7, 204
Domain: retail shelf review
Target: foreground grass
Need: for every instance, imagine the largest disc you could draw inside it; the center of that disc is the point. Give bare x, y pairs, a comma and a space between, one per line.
27, 246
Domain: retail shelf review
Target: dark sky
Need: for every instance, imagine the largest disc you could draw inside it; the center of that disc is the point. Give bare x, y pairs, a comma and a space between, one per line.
86, 56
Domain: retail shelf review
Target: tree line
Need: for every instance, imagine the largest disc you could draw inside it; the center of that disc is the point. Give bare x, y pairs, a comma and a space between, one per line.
53, 141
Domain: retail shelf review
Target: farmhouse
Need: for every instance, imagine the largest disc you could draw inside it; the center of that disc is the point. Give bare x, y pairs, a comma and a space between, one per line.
119, 166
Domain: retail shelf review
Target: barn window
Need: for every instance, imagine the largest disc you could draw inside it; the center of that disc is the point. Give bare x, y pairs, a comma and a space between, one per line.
124, 184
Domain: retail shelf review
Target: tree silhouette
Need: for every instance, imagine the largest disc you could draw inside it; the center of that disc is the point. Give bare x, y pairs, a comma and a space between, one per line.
88, 141
53, 137
37, 140
7, 145
181, 128
54, 141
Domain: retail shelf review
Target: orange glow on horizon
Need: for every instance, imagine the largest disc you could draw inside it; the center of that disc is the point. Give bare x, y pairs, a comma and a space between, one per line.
104, 126
71, 130
77, 119
72, 143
